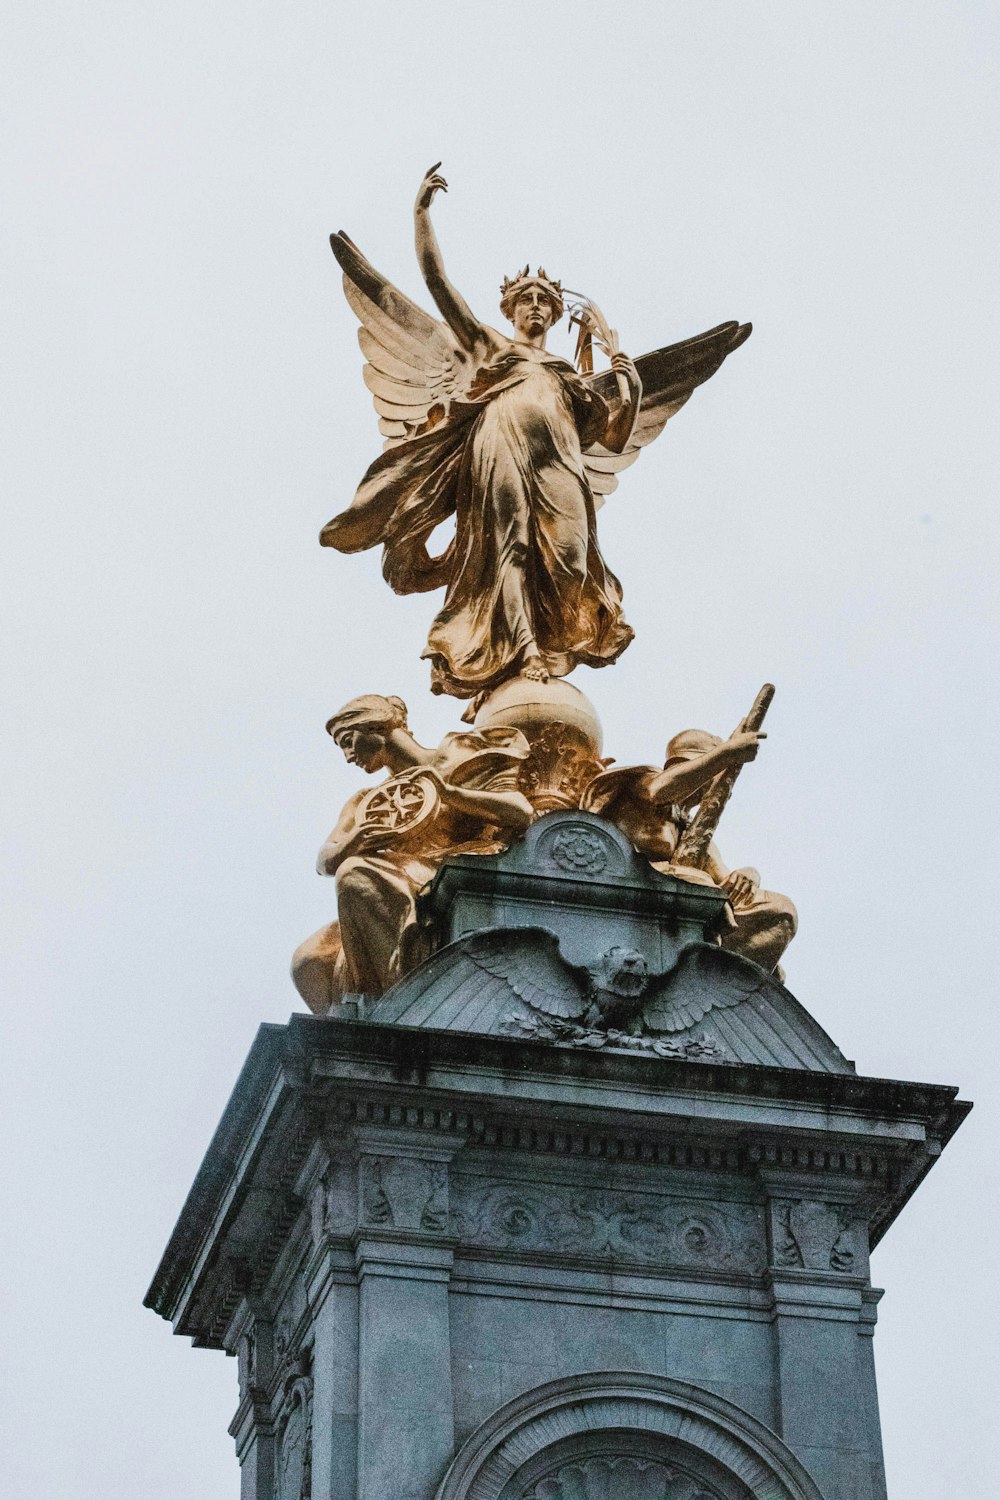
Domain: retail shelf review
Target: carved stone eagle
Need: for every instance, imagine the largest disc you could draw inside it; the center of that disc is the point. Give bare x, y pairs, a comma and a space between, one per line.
616, 990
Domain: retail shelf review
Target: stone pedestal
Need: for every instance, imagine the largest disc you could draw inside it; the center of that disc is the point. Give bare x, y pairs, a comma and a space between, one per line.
457, 1264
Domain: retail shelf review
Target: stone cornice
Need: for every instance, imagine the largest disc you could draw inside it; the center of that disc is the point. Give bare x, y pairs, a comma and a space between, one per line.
410, 1052
876, 1137
644, 890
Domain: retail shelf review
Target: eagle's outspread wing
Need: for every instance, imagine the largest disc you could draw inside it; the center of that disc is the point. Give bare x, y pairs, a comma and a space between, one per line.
705, 978
415, 366
669, 376
529, 961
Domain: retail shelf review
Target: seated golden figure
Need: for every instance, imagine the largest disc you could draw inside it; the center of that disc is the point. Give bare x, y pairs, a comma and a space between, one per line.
461, 798
654, 807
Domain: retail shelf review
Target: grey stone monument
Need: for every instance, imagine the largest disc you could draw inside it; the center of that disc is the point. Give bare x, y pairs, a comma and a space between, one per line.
581, 1207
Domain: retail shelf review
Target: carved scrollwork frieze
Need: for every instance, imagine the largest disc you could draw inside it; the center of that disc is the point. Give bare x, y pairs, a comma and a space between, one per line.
627, 1226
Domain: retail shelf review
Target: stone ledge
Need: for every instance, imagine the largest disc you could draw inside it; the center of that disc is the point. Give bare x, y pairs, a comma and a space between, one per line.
303, 1079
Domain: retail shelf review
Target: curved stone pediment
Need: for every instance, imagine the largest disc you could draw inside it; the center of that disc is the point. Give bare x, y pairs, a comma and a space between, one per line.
579, 876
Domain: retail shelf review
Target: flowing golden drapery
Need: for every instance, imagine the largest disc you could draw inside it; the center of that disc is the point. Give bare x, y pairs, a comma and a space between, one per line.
524, 567
375, 938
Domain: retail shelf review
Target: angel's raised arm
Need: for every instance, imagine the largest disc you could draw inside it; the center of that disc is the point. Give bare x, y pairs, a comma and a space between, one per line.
452, 306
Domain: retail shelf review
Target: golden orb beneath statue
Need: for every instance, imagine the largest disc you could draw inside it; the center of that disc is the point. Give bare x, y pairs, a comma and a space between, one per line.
562, 729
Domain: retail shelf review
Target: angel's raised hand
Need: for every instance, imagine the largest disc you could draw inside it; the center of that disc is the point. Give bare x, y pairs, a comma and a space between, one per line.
433, 183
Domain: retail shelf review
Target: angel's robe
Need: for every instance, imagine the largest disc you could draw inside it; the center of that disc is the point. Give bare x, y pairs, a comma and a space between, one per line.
524, 569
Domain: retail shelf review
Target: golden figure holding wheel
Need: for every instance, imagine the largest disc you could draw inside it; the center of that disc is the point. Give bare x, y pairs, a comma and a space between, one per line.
400, 806
461, 798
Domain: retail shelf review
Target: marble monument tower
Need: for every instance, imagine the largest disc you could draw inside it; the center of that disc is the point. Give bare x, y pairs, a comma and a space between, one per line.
557, 1191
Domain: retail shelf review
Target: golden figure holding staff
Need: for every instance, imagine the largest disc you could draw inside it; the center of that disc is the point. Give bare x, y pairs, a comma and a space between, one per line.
519, 446
671, 816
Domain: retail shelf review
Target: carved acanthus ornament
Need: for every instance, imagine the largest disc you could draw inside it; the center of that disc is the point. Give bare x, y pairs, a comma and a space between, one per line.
247, 1362
816, 1237
294, 1451
561, 764
333, 1199
405, 1193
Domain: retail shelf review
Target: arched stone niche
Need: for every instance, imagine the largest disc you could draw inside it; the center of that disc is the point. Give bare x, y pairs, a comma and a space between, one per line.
646, 1437
626, 1465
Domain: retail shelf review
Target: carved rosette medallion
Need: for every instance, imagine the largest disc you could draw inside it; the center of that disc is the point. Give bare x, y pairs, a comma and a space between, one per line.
580, 849
579, 852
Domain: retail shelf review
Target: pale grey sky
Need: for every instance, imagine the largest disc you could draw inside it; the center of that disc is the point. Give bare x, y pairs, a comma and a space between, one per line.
184, 409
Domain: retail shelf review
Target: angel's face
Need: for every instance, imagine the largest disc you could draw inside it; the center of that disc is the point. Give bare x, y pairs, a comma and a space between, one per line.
532, 313
363, 746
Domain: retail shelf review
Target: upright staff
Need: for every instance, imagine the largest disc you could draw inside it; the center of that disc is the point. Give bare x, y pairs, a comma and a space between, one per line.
693, 846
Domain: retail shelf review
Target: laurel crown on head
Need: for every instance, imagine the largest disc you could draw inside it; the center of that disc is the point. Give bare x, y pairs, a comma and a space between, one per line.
513, 286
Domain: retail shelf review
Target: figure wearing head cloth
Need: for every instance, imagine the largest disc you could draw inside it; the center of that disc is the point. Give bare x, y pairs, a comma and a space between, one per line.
368, 710
461, 798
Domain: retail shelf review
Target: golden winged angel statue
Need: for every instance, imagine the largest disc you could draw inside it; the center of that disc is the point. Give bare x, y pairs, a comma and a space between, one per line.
519, 446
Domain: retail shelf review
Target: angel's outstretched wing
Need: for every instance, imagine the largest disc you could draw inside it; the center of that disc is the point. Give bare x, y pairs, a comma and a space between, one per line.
705, 978
529, 961
414, 366
669, 376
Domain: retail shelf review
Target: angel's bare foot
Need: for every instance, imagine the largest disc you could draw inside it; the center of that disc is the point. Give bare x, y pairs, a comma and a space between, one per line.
534, 669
